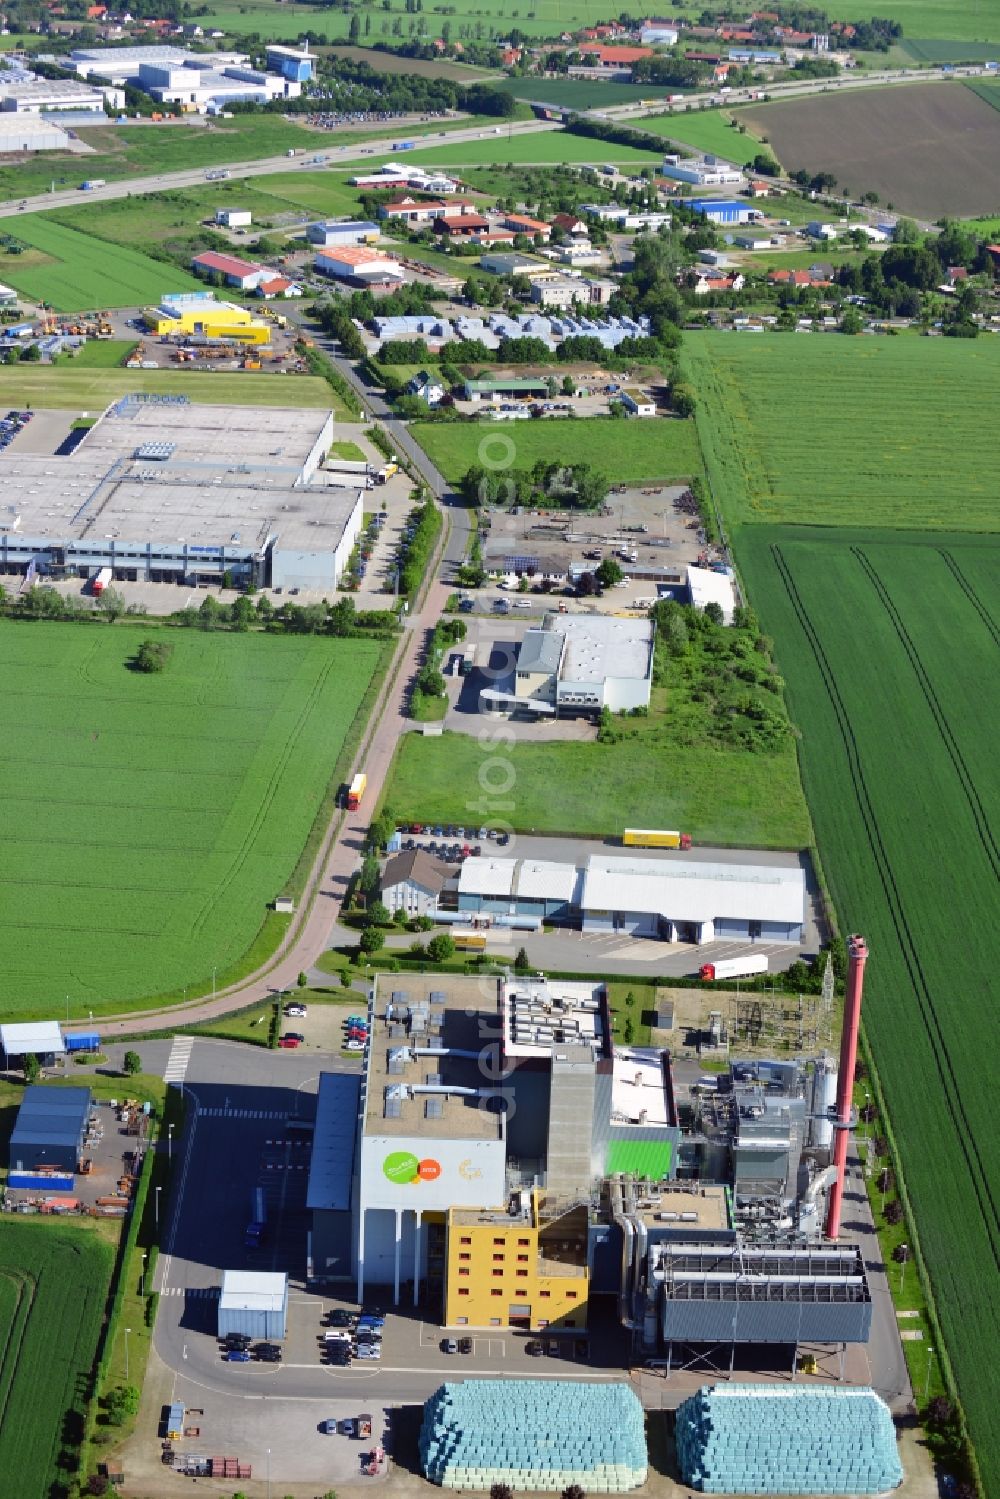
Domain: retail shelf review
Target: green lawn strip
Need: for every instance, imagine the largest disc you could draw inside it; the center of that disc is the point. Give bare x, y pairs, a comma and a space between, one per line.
721, 797
544, 148
626, 451
70, 389
898, 766
227, 765
622, 1011
703, 130
99, 354
347, 451
924, 460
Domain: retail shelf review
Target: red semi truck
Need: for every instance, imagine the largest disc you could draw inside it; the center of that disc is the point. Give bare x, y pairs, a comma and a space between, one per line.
356, 791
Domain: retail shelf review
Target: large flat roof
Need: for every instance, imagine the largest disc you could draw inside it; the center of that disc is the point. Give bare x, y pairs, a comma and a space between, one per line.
688, 890
32, 1036
331, 1164
543, 1017
441, 1028
181, 475
599, 646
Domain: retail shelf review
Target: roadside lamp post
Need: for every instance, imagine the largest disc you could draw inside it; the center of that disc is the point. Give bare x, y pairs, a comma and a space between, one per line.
157, 1209
927, 1376
170, 1143
127, 1331
144, 1254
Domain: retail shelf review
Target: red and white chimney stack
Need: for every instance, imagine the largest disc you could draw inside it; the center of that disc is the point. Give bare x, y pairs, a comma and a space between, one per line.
857, 958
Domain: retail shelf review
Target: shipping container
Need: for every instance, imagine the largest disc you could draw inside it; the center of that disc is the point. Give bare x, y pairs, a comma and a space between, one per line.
655, 838
404, 146
257, 1226
734, 968
89, 1042
356, 791
469, 941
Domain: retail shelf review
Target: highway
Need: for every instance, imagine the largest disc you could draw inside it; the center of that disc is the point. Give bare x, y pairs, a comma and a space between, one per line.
128, 187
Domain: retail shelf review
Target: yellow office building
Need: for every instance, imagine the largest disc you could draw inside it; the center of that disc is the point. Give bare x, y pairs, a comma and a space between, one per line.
211, 320
519, 1266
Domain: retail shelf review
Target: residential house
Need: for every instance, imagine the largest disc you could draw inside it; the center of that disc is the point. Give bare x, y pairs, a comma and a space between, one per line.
569, 224
412, 882
704, 282
426, 388
795, 278
614, 59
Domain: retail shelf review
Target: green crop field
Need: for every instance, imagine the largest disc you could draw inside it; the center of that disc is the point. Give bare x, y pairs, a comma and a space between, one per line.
80, 272
151, 819
541, 148
888, 643
848, 431
581, 93
987, 89
922, 50
591, 790
65, 388
703, 130
53, 1287
627, 451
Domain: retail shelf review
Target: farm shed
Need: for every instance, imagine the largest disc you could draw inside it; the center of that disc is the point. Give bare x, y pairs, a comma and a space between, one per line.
40, 1038
50, 1129
254, 1303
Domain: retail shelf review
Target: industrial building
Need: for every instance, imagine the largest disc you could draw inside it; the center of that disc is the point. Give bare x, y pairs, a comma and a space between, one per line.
412, 881
234, 218
190, 314
581, 663
361, 266
707, 586
343, 232
253, 1303
26, 93
245, 275
198, 81
32, 1038
297, 64
708, 172
164, 491
725, 210
50, 1130
30, 132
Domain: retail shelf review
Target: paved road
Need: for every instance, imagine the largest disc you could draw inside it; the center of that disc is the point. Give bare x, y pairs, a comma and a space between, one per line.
196, 177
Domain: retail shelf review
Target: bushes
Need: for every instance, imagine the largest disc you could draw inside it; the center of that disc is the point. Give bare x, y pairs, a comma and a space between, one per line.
426, 519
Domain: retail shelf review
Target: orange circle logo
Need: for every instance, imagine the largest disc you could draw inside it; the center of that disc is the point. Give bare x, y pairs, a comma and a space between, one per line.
429, 1171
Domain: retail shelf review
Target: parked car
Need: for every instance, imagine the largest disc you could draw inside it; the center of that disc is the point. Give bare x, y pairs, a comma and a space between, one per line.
448, 1345
354, 1046
533, 1349
465, 1345
290, 1043
370, 1352
339, 1318
294, 1036
298, 1011
238, 1356
268, 1353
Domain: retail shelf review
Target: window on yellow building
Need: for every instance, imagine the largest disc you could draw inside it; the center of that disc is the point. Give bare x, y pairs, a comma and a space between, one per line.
465, 1256
521, 1272
523, 1243
570, 1295
463, 1270
497, 1292
498, 1272
498, 1258
545, 1294
464, 1240
499, 1243
463, 1290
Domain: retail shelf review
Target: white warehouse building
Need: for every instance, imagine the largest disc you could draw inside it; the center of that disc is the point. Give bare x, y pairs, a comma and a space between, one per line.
164, 491
581, 663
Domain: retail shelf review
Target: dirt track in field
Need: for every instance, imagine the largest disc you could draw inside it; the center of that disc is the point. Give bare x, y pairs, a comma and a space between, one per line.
929, 149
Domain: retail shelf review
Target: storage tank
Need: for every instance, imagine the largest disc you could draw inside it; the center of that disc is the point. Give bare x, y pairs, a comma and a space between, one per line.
823, 1101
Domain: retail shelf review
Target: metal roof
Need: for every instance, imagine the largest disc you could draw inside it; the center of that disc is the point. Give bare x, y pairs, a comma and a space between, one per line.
253, 1291
687, 890
52, 1116
38, 1036
541, 650
708, 587
486, 877
599, 646
332, 1164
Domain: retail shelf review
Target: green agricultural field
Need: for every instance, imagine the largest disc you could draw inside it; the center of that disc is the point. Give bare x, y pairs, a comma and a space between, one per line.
541, 148
78, 272
66, 388
987, 89
922, 50
152, 819
53, 1286
848, 431
628, 451
591, 790
704, 130
581, 93
888, 642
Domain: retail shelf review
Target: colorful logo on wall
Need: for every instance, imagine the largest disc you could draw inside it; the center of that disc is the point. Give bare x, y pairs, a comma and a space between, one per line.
402, 1166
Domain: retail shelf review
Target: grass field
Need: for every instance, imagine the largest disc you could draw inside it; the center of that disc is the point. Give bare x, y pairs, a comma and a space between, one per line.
546, 148
590, 790
77, 271
888, 644
66, 388
156, 817
704, 130
103, 354
987, 89
923, 50
53, 1286
626, 451
581, 93
848, 431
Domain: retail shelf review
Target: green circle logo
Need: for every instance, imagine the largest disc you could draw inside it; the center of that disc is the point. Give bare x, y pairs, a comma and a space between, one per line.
401, 1166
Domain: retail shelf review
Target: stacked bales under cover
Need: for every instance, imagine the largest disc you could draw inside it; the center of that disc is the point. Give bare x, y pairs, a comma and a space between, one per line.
534, 1434
747, 1439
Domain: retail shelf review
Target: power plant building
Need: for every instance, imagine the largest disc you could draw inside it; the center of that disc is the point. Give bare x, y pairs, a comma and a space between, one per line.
164, 491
